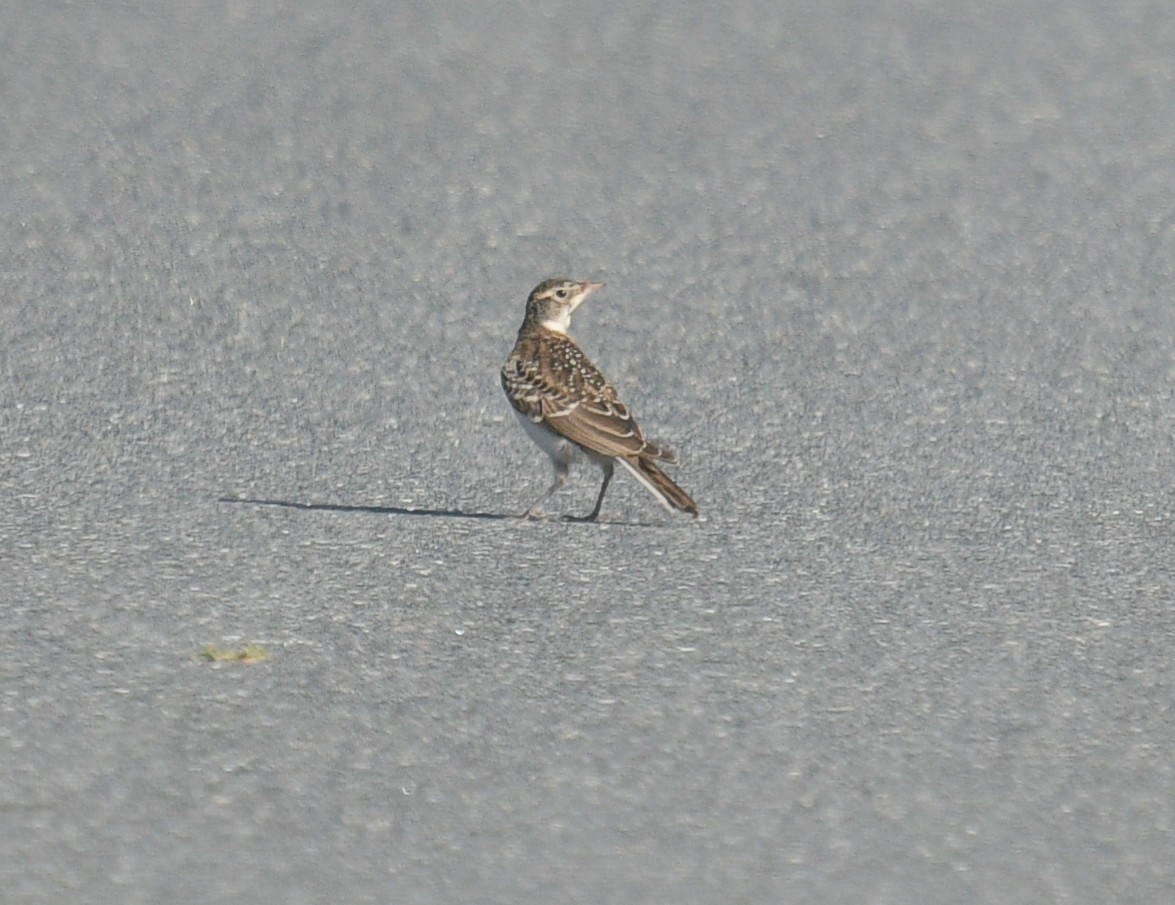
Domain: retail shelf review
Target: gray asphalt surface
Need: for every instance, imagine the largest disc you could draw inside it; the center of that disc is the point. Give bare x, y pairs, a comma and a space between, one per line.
892, 278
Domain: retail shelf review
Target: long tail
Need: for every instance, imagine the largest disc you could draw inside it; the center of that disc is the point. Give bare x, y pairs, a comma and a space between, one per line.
659, 484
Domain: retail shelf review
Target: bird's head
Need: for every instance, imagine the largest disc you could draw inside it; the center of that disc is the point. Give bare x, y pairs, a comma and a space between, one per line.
552, 301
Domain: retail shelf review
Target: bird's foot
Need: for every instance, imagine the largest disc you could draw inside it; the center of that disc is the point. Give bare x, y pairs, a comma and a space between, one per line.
591, 517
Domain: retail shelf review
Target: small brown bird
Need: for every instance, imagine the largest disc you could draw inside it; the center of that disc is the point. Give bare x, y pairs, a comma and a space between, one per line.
570, 410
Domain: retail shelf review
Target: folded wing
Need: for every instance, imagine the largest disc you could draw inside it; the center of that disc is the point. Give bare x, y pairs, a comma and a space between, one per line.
564, 390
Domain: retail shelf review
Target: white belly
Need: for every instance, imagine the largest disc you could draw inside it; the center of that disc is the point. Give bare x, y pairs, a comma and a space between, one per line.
561, 450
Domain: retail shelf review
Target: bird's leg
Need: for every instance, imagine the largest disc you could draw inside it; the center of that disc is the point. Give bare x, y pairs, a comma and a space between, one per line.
600, 499
561, 470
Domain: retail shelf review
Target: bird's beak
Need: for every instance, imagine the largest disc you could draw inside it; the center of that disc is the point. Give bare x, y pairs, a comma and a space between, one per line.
589, 288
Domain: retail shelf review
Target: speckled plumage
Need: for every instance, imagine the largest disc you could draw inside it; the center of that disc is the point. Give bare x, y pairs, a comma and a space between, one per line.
569, 408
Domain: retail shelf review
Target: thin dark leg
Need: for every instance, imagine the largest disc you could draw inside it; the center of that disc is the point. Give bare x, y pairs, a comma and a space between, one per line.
603, 489
560, 478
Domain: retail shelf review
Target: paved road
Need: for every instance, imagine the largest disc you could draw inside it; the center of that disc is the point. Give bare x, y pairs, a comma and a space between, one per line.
893, 278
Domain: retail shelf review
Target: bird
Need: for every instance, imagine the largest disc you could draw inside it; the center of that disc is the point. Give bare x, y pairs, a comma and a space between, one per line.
570, 410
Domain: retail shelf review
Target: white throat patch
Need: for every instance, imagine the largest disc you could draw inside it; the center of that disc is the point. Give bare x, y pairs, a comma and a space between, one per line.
560, 325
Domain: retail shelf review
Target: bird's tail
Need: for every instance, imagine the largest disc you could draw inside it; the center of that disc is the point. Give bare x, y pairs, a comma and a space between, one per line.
658, 452
659, 484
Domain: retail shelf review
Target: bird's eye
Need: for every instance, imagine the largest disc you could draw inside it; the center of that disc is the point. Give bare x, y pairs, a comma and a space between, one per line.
560, 293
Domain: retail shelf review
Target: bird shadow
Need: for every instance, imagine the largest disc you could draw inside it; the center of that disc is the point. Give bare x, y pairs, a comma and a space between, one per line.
426, 513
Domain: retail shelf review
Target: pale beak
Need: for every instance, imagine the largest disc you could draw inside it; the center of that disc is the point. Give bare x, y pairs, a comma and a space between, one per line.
588, 289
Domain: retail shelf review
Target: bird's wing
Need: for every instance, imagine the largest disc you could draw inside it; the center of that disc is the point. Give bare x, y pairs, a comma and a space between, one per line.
600, 424
581, 405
